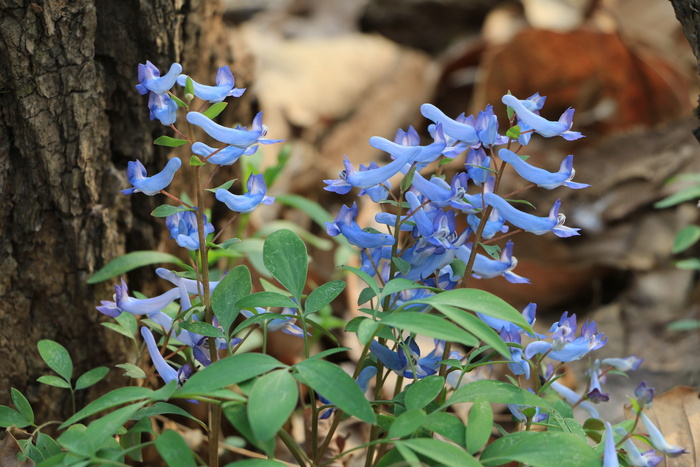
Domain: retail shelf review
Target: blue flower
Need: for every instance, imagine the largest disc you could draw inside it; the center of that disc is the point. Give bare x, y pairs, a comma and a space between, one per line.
150, 79
630, 363
190, 285
573, 399
610, 453
362, 380
458, 129
226, 156
239, 137
286, 324
565, 346
541, 125
528, 313
477, 165
533, 224
376, 193
183, 228
137, 176
488, 268
633, 456
163, 108
595, 393
257, 194
517, 411
486, 126
517, 365
123, 302
644, 395
541, 177
425, 154
165, 371
407, 359
345, 224
223, 89
658, 440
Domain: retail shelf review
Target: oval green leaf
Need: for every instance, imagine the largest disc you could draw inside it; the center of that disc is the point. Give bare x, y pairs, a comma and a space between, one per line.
165, 210
440, 451
543, 449
169, 141
479, 425
202, 328
174, 450
91, 377
22, 405
423, 391
430, 326
55, 381
234, 286
270, 402
131, 261
56, 357
285, 257
323, 295
686, 238
10, 417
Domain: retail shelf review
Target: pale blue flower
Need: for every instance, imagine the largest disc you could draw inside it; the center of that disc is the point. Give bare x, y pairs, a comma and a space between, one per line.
163, 108
630, 363
150, 79
457, 129
142, 183
192, 286
256, 195
595, 393
517, 411
183, 228
610, 453
165, 371
541, 177
368, 178
533, 224
565, 346
658, 440
404, 364
425, 154
345, 224
486, 126
541, 125
633, 456
529, 313
239, 137
517, 364
136, 306
477, 165
226, 156
284, 324
488, 268
572, 398
224, 86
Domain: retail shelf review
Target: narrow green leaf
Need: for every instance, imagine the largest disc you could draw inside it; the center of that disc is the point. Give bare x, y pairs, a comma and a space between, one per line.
91, 377
446, 425
408, 179
189, 89
256, 463
337, 386
479, 425
317, 213
323, 295
47, 445
234, 286
56, 357
111, 399
179, 102
686, 238
131, 261
161, 408
407, 423
202, 328
169, 142
228, 371
285, 257
132, 371
215, 109
684, 325
430, 326
690, 263
476, 327
22, 405
266, 300
224, 186
366, 330
365, 277
55, 381
440, 451
399, 285
478, 301
270, 403
10, 417
498, 392
423, 391
174, 451
195, 161
107, 426
688, 194
513, 132
165, 210
543, 449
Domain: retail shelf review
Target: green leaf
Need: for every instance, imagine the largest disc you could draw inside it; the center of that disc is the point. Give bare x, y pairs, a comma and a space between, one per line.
75, 440
366, 295
423, 391
408, 179
56, 357
195, 161
690, 263
256, 463
189, 89
91, 377
317, 213
165, 210
52, 380
128, 322
238, 416
272, 173
684, 325
493, 251
132, 371
214, 110
498, 392
513, 132
285, 257
402, 265
430, 326
224, 186
22, 405
160, 408
107, 426
689, 194
323, 295
337, 386
407, 423
47, 445
543, 449
686, 238
265, 300
365, 277
174, 450
231, 370
202, 328
10, 417
131, 261
366, 330
234, 286
476, 327
444, 453
270, 403
478, 301
169, 142
446, 425
111, 399
399, 285
479, 425
178, 101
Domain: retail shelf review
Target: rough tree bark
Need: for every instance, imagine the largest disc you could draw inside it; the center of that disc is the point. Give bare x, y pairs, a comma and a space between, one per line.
688, 13
70, 119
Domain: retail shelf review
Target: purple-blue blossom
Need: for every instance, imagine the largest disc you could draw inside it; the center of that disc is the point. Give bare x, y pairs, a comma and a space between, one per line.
541, 177
541, 125
633, 455
460, 129
256, 195
225, 86
239, 137
136, 306
404, 364
285, 323
150, 79
533, 224
183, 228
565, 345
163, 108
142, 183
610, 452
488, 268
226, 156
658, 440
345, 224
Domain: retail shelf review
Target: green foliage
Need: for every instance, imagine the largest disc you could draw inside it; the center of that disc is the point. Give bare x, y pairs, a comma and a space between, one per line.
543, 449
169, 141
174, 450
131, 261
272, 399
285, 257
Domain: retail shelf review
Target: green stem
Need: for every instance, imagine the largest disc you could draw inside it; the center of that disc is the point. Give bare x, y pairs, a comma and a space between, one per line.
294, 449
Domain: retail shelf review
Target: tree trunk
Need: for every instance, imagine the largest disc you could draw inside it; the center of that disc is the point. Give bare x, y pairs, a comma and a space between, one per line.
688, 13
70, 119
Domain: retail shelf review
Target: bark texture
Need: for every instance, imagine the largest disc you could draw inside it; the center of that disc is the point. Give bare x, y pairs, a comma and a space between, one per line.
70, 120
688, 13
